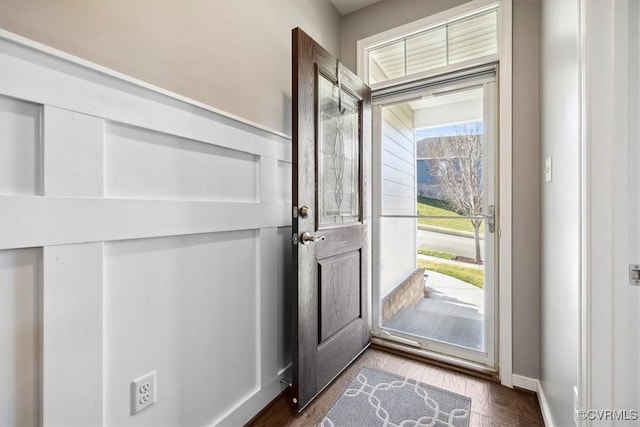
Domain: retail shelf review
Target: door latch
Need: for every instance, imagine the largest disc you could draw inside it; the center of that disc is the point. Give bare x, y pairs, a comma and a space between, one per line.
294, 239
491, 219
634, 274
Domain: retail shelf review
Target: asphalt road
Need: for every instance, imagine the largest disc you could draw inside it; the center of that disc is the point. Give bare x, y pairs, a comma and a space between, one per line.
463, 246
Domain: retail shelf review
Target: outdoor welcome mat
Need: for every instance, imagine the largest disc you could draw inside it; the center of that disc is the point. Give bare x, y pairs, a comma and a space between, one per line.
377, 398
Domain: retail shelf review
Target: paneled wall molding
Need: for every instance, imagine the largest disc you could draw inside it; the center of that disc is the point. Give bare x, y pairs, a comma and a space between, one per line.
139, 231
59, 58
27, 221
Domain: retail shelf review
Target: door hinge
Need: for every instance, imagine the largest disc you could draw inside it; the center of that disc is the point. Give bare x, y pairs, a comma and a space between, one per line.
294, 239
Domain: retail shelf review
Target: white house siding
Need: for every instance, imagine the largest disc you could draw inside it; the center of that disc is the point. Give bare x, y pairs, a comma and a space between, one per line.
398, 196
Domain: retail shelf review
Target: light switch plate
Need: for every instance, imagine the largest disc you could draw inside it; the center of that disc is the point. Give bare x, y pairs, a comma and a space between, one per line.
547, 169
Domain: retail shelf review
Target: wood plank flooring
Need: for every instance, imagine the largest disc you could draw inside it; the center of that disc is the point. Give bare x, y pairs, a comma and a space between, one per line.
491, 403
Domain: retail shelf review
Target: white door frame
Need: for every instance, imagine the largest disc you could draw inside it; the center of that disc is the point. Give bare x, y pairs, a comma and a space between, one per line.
504, 215
485, 359
609, 343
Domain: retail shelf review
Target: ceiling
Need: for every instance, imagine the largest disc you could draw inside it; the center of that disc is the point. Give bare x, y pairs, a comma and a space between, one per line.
348, 6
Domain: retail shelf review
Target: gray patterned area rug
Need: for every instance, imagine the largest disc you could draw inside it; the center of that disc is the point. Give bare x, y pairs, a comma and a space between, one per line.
378, 398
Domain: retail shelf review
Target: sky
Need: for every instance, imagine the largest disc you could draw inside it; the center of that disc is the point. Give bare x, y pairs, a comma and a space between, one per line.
448, 130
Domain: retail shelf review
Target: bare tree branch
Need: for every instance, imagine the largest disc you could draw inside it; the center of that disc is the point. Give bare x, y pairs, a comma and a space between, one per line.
457, 168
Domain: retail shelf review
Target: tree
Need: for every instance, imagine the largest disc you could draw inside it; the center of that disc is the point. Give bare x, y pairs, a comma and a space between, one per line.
457, 168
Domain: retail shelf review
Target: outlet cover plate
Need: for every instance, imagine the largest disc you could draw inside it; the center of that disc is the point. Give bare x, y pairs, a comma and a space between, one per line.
143, 392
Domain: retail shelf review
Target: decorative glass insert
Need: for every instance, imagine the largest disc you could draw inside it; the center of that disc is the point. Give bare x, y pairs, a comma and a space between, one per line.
338, 166
455, 41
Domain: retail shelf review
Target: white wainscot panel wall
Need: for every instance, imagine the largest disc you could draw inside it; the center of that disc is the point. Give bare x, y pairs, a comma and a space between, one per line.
139, 231
145, 164
188, 308
20, 336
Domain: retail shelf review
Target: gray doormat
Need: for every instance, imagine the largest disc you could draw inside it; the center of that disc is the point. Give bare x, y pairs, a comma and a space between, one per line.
378, 398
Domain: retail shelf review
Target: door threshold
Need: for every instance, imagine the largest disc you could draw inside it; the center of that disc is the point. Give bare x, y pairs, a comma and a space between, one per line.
439, 360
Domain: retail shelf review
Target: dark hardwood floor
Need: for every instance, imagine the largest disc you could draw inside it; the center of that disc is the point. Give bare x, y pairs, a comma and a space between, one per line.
491, 403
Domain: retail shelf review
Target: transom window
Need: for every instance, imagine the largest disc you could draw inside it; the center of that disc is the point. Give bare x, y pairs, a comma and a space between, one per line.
451, 42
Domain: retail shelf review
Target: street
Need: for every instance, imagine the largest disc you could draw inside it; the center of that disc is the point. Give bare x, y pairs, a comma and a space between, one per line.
463, 246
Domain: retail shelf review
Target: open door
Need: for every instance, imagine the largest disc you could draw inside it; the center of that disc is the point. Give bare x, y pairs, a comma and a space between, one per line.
331, 217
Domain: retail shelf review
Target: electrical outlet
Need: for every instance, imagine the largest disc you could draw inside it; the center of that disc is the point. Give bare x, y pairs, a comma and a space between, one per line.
143, 392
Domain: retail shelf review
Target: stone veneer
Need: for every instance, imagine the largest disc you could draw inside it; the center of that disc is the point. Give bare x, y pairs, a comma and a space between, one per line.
407, 294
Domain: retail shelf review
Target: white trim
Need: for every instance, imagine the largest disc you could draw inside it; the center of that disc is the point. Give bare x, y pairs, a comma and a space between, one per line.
505, 317
242, 414
376, 206
525, 383
457, 68
584, 326
486, 358
58, 54
544, 406
420, 24
533, 384
605, 373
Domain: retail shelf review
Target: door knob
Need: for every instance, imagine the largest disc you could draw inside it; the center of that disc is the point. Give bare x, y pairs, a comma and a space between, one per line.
306, 237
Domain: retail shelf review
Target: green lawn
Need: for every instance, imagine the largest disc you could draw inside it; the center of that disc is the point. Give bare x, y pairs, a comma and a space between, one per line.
428, 206
437, 254
473, 276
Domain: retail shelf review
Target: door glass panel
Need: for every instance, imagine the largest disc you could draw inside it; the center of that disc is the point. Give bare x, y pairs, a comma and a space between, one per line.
338, 166
435, 245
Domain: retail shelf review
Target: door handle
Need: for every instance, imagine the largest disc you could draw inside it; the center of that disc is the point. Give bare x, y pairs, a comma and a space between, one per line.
306, 237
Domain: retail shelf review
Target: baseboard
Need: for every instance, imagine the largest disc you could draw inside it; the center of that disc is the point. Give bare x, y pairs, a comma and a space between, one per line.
525, 383
534, 385
544, 407
254, 404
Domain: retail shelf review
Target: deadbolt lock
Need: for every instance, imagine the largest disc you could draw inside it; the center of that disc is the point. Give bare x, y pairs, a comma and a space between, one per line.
304, 211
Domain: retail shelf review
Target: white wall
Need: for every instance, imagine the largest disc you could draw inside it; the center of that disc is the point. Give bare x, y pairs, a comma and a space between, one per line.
560, 137
389, 14
233, 55
123, 249
526, 190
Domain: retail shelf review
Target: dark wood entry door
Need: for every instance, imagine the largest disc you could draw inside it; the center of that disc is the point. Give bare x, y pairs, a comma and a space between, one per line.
331, 217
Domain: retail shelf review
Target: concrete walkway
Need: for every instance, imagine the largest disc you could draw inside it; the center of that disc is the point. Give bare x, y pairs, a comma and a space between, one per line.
443, 287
